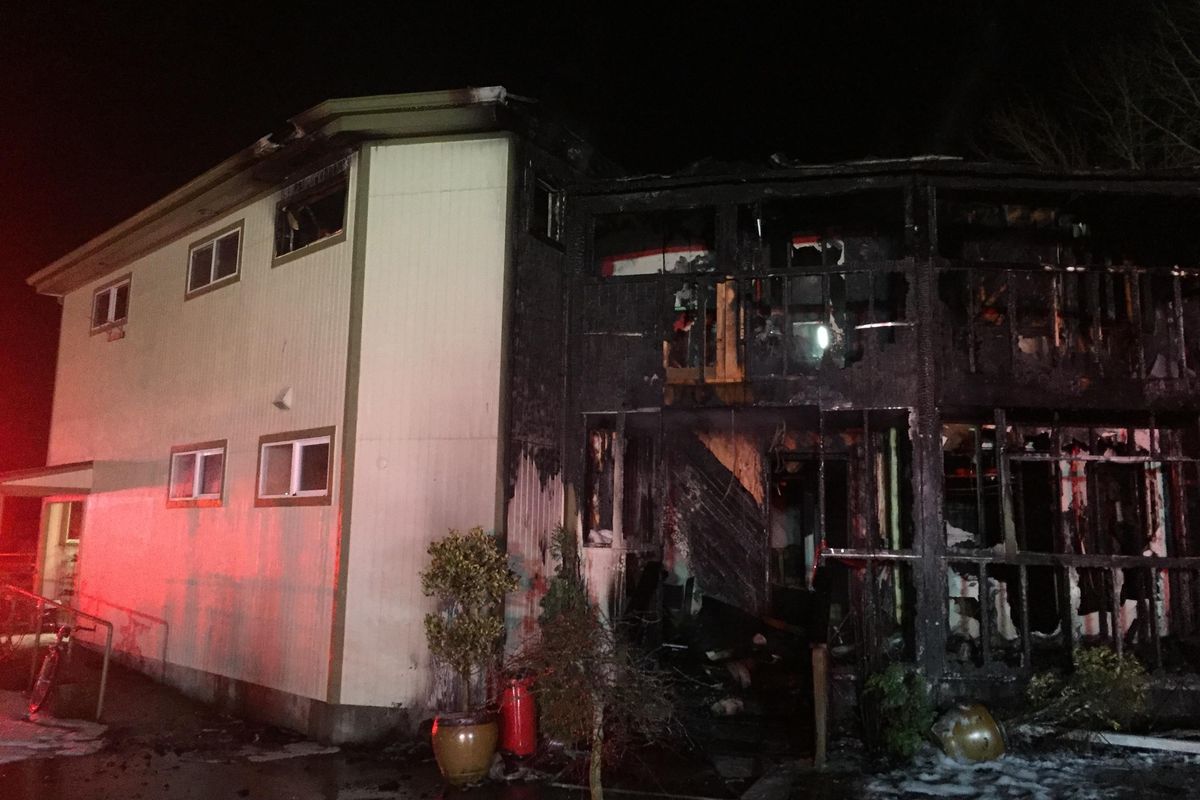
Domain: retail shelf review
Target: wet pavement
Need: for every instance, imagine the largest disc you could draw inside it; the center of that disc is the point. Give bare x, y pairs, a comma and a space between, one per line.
158, 744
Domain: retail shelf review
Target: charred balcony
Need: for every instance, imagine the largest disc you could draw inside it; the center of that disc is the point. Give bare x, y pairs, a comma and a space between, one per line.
1088, 300
783, 302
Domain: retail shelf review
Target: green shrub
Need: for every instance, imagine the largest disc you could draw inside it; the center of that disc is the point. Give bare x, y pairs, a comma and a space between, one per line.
1105, 690
897, 711
469, 575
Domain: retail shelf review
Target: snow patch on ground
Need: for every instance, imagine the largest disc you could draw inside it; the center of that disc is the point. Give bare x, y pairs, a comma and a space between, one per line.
1060, 775
42, 736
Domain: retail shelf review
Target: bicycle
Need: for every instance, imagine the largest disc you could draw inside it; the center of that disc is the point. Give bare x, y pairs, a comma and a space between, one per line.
51, 669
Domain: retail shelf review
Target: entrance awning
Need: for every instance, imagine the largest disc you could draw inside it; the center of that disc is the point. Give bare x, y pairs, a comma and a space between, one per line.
48, 481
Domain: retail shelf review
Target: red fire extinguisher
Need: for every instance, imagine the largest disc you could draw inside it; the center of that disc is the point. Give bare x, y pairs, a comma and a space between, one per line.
518, 717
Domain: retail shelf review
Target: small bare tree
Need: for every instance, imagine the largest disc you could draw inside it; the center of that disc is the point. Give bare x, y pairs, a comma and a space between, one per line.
1132, 103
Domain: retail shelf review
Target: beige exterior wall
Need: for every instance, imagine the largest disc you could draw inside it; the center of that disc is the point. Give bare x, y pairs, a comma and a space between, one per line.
428, 412
238, 591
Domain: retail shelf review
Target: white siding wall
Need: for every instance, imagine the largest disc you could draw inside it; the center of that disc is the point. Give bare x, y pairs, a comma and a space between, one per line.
428, 405
238, 591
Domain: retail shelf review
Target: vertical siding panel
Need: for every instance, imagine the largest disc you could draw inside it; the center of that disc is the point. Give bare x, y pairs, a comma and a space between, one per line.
429, 390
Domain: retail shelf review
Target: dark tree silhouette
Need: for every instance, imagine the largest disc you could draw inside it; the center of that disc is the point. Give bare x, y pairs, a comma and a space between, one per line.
1132, 101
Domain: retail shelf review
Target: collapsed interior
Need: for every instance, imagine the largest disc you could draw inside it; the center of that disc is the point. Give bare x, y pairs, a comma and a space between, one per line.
949, 425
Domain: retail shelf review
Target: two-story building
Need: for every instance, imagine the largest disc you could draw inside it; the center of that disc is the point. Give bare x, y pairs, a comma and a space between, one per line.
279, 383
920, 409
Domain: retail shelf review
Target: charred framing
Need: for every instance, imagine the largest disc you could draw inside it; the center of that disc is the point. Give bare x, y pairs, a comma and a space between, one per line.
922, 409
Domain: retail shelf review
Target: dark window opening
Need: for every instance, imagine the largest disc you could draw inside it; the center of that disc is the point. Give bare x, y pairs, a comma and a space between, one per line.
638, 478
971, 493
814, 233
545, 214
705, 335
599, 486
799, 324
312, 209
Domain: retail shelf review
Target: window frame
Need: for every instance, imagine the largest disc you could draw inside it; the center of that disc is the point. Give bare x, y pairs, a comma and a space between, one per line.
199, 450
110, 289
297, 439
238, 229
318, 184
552, 213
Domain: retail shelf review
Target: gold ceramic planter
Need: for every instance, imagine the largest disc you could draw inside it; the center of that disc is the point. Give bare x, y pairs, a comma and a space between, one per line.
968, 732
464, 745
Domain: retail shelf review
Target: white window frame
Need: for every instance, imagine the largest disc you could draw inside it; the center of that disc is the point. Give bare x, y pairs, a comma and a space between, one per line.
213, 282
199, 452
297, 440
108, 295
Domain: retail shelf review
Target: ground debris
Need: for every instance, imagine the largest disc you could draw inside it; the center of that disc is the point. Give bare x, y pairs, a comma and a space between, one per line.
1053, 774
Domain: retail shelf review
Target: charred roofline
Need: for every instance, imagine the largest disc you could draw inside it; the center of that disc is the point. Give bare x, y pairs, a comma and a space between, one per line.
257, 169
941, 171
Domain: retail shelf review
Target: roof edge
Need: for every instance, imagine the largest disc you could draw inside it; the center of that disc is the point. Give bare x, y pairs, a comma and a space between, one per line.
401, 115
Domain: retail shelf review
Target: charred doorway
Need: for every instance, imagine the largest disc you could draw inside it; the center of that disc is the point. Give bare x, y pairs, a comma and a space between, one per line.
796, 533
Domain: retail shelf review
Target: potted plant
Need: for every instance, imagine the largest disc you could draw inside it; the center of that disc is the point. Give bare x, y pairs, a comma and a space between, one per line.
468, 574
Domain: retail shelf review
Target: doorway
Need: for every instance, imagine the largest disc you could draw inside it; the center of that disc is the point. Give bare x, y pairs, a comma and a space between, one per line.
62, 526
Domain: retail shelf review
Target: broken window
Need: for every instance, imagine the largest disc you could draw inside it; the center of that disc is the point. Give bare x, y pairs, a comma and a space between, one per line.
806, 234
214, 261
650, 243
1081, 489
1036, 322
545, 212
704, 339
1189, 284
312, 209
621, 457
1161, 325
638, 482
798, 324
971, 493
110, 305
809, 333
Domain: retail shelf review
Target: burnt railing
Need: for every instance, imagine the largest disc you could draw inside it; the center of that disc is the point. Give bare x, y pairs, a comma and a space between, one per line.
1115, 570
1090, 320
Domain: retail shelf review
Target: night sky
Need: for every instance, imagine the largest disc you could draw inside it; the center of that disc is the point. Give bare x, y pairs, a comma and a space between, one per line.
109, 106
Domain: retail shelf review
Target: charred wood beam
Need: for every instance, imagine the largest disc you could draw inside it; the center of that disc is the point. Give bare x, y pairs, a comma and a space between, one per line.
1007, 519
680, 193
930, 540
802, 181
1182, 187
1029, 559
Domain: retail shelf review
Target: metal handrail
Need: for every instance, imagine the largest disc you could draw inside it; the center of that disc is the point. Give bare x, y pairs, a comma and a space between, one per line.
42, 604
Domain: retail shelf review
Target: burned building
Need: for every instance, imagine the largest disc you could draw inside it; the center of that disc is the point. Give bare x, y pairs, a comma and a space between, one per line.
924, 410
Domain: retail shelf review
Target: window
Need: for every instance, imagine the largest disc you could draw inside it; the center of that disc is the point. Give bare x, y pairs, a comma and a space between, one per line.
312, 210
110, 305
294, 468
214, 261
197, 475
545, 215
